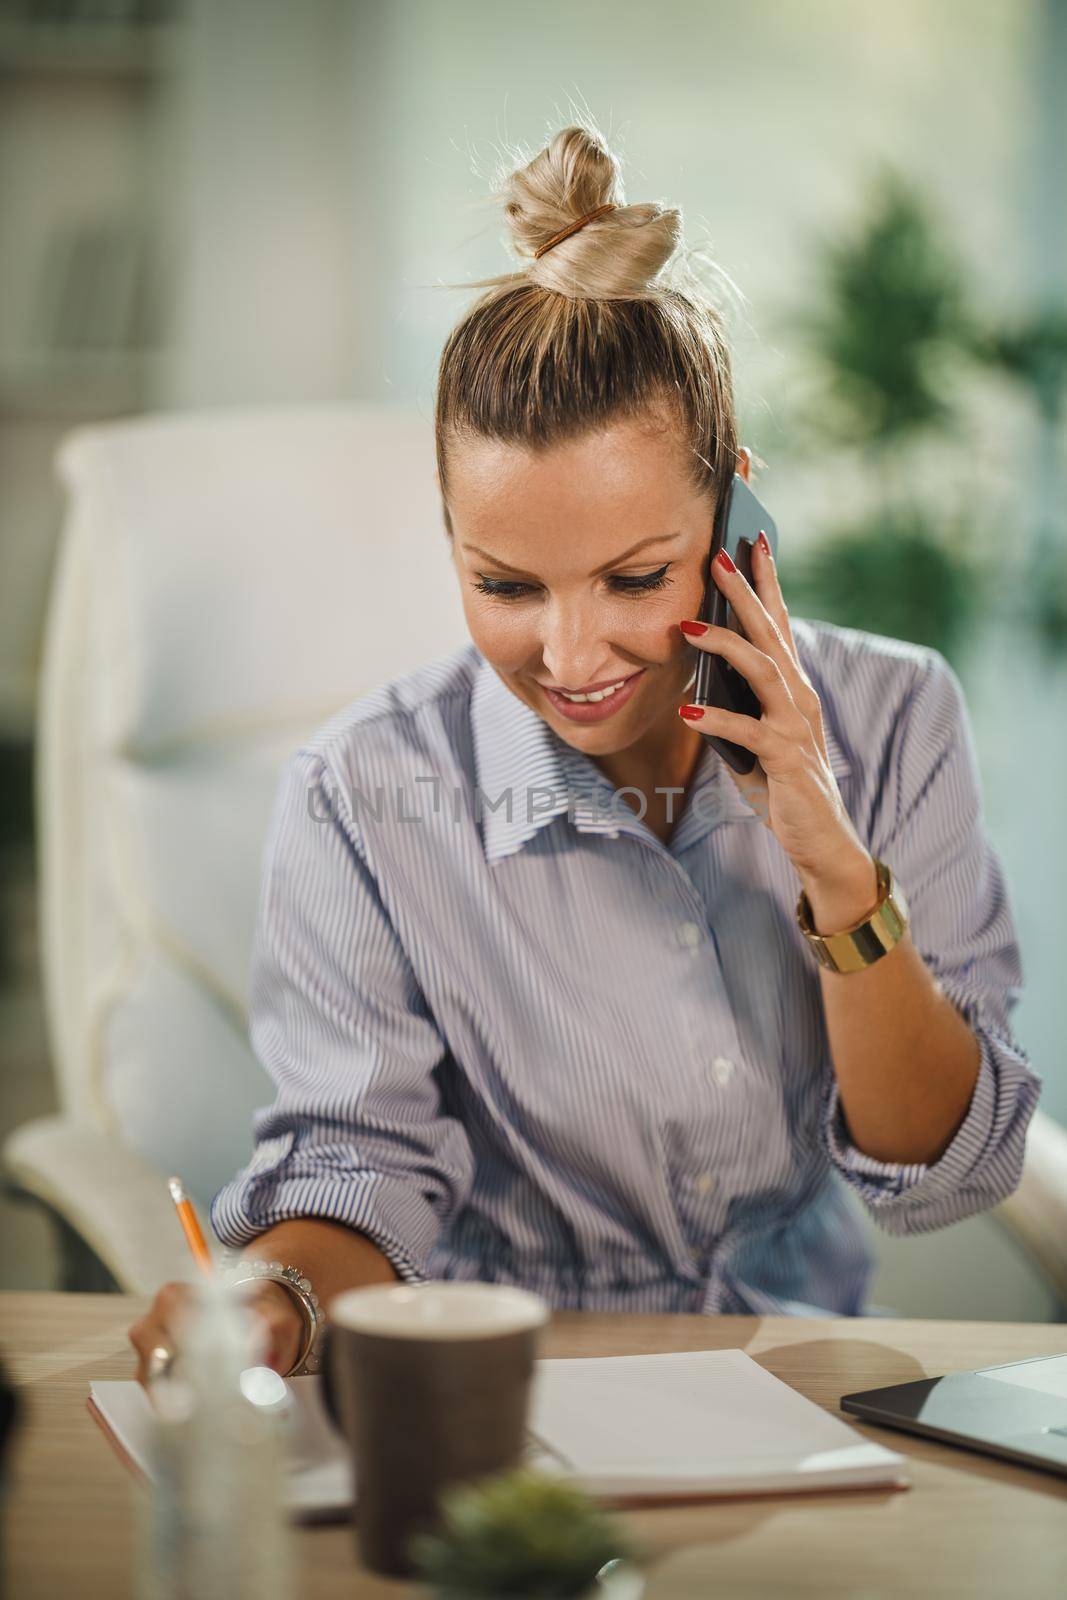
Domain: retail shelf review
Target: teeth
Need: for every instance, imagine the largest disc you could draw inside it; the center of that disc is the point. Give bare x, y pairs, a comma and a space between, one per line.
597, 694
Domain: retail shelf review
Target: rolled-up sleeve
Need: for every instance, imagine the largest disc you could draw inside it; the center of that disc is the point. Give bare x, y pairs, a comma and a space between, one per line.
928, 826
356, 1133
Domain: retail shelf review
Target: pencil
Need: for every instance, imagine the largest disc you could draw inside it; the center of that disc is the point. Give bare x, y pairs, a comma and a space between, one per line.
190, 1226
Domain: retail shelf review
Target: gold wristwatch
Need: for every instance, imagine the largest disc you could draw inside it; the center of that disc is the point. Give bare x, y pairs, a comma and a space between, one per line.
866, 942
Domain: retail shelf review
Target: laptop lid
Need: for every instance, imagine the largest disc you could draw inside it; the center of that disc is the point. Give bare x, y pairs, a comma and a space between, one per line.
1017, 1411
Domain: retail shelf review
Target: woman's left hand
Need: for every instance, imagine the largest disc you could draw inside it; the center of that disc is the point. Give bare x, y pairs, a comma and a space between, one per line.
791, 787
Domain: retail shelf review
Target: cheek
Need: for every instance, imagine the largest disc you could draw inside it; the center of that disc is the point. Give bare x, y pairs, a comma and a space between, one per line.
506, 636
652, 633
688, 595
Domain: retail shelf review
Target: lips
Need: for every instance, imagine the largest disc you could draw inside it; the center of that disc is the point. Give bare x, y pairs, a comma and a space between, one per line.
594, 710
591, 688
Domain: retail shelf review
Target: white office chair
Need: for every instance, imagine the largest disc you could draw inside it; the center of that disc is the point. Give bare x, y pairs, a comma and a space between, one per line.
225, 582
1036, 1214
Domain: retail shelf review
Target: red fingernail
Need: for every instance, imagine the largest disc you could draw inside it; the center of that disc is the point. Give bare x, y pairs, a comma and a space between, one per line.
724, 562
691, 713
763, 541
695, 629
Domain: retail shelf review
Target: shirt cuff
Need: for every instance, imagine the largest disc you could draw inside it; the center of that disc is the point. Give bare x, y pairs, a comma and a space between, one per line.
875, 1180
981, 1165
389, 1212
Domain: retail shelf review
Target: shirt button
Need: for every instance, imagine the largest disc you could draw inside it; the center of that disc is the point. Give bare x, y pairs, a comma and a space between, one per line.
689, 935
705, 1183
722, 1070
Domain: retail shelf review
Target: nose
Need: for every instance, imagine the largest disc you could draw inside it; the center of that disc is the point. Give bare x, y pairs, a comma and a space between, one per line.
572, 646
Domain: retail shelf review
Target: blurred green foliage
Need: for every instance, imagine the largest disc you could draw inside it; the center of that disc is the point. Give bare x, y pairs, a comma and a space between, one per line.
894, 572
1049, 601
890, 331
891, 312
518, 1533
1034, 353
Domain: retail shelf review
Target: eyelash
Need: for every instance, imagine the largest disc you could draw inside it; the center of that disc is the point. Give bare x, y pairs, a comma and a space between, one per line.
630, 586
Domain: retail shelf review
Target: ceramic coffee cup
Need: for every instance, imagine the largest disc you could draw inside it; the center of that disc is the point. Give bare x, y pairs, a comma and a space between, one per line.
430, 1385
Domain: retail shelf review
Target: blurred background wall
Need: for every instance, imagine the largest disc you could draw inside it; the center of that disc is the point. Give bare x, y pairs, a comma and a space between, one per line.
223, 202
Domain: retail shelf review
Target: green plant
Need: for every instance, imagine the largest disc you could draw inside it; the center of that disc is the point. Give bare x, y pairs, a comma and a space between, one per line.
1032, 353
890, 336
1046, 578
891, 312
518, 1533
893, 574
891, 325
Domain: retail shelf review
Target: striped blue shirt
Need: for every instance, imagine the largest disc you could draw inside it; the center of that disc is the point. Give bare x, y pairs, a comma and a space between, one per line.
517, 1038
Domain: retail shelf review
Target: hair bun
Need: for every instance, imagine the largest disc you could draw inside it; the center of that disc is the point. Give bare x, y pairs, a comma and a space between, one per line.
616, 256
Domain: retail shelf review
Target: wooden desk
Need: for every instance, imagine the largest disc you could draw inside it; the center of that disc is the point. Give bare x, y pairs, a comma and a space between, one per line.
970, 1526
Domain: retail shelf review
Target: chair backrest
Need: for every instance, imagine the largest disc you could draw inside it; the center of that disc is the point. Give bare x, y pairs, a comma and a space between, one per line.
1036, 1214
225, 582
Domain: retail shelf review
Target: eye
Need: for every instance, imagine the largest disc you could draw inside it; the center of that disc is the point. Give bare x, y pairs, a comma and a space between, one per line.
644, 584
501, 591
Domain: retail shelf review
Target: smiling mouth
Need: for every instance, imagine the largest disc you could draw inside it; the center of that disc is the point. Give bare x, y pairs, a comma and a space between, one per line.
596, 705
592, 696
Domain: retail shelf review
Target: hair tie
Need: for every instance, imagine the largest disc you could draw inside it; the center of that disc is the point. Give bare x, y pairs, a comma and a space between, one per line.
572, 227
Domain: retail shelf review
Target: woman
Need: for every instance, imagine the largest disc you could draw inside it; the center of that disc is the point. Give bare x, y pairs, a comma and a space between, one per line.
528, 971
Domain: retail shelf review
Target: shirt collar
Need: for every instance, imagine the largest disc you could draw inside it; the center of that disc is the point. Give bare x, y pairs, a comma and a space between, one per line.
526, 776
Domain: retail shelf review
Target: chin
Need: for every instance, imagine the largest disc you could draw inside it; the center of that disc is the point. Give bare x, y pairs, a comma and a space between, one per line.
593, 740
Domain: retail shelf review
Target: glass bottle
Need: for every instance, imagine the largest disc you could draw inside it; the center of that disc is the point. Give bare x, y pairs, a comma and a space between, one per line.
214, 1524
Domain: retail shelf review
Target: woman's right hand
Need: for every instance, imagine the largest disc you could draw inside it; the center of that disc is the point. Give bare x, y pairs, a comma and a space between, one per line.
163, 1322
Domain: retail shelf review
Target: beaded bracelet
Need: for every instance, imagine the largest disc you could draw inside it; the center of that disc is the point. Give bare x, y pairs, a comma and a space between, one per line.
251, 1270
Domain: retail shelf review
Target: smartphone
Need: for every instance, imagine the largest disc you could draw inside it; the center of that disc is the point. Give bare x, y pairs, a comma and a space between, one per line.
739, 518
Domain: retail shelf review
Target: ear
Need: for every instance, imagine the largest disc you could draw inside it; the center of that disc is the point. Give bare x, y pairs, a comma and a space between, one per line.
744, 466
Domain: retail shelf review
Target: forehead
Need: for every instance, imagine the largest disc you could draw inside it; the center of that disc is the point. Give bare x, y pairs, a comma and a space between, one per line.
617, 476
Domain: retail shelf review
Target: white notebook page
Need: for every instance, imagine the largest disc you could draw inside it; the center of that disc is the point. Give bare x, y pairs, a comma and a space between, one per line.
711, 1422
711, 1419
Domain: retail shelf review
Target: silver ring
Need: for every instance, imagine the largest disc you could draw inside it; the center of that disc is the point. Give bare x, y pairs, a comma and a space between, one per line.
160, 1361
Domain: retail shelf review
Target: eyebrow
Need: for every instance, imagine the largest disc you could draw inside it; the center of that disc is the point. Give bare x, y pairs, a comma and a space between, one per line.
656, 538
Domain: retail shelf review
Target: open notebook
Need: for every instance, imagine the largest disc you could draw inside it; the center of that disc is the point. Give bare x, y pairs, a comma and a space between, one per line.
706, 1423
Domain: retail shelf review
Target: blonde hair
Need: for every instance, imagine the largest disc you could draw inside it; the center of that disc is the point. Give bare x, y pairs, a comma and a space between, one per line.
593, 331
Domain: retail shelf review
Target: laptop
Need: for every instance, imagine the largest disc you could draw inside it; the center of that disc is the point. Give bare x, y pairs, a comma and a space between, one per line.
1017, 1411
